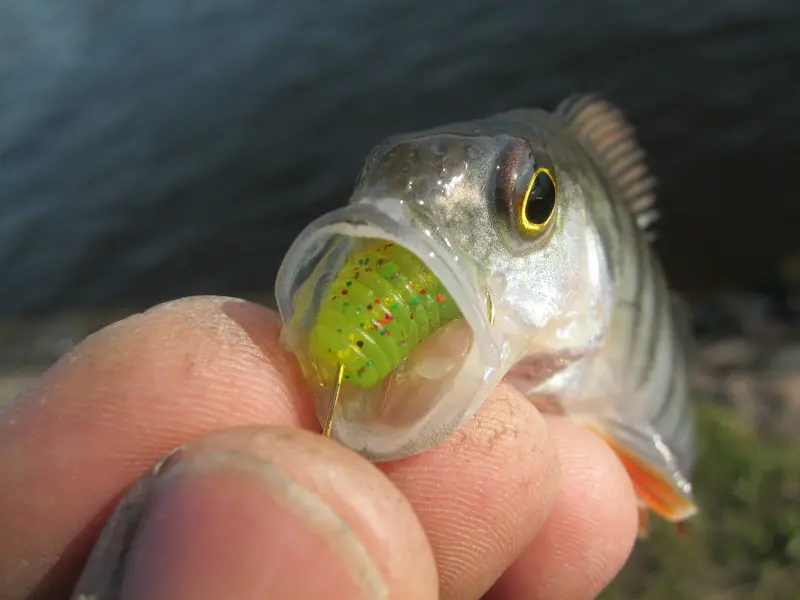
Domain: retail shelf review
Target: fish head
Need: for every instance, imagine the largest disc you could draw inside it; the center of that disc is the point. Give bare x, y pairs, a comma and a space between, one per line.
511, 200
496, 216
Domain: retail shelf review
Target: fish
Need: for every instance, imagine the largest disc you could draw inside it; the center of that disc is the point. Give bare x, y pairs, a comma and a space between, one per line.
517, 248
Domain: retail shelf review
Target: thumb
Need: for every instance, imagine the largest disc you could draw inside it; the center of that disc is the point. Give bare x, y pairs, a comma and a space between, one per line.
259, 512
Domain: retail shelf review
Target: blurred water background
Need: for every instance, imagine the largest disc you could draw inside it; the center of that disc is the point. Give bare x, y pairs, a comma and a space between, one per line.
152, 150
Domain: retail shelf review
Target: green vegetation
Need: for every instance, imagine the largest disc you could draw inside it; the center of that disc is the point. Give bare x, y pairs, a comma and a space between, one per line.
745, 544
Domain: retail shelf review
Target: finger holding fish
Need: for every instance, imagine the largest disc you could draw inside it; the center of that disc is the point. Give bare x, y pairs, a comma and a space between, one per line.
208, 376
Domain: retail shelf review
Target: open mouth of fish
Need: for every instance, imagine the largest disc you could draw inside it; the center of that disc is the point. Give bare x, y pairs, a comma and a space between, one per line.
379, 303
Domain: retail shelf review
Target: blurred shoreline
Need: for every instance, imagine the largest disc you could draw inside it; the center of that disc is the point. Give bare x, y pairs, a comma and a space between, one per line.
30, 345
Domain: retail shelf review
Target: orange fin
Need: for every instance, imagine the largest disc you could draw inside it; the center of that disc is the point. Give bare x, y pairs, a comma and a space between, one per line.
657, 481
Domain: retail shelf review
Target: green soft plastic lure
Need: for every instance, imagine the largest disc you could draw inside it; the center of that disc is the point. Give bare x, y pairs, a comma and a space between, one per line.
383, 303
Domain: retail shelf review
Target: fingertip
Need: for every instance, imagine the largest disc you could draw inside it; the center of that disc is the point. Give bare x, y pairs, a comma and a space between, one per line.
591, 530
199, 362
483, 494
598, 494
262, 511
119, 400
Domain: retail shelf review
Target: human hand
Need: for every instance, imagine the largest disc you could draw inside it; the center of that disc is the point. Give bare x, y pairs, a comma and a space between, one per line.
255, 503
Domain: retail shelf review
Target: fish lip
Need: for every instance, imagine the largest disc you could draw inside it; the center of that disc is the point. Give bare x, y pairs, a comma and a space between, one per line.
395, 220
320, 251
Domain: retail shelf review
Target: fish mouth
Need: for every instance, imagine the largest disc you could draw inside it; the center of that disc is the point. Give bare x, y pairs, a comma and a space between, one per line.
373, 292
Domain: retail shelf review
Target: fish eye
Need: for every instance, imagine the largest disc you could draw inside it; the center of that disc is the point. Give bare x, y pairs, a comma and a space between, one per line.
538, 203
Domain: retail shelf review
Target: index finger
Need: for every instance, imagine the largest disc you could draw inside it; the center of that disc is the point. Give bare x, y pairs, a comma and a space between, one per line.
108, 410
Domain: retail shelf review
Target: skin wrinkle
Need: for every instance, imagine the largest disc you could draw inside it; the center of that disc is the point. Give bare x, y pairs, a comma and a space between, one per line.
365, 499
321, 518
492, 427
328, 473
481, 511
210, 358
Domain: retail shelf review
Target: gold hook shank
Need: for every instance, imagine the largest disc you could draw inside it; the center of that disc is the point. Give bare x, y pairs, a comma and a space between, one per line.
337, 388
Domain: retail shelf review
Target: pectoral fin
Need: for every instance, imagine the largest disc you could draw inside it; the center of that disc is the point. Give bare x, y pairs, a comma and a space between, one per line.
659, 484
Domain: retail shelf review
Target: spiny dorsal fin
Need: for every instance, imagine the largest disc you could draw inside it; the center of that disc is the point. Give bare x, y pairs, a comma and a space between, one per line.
608, 136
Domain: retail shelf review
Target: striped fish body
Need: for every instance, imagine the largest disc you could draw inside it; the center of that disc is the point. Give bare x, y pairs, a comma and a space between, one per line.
532, 229
633, 390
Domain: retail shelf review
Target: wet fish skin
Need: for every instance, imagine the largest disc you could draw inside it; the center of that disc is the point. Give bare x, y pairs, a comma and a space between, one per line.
599, 333
566, 301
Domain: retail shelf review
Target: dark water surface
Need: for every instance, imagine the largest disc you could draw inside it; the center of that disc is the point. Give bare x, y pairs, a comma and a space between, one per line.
150, 149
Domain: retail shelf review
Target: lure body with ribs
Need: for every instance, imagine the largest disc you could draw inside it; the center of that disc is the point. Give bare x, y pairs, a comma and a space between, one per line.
511, 247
